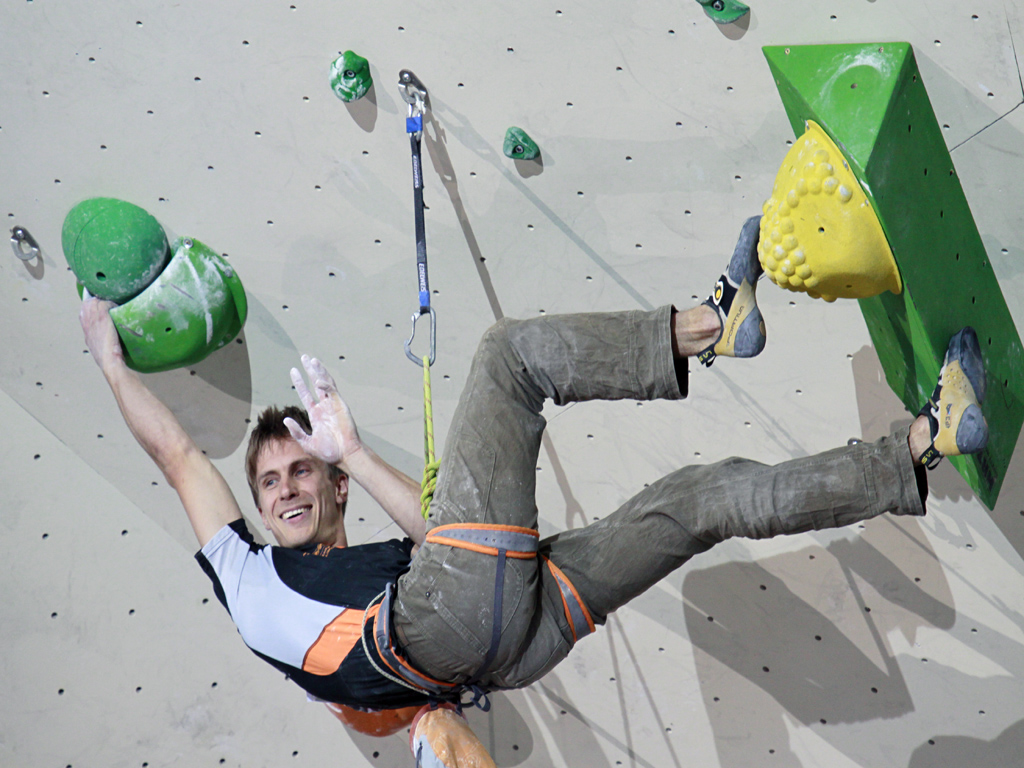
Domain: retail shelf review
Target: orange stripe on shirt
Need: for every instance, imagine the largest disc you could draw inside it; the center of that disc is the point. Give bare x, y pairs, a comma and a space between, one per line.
335, 641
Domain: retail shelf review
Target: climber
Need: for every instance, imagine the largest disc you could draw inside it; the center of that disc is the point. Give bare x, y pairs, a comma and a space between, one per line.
472, 600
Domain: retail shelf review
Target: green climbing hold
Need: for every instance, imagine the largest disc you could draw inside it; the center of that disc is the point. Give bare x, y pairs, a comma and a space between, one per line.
519, 146
195, 307
114, 248
724, 11
350, 76
871, 100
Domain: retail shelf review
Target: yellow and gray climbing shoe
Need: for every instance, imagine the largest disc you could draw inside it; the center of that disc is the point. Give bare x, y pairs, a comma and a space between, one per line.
742, 333
954, 409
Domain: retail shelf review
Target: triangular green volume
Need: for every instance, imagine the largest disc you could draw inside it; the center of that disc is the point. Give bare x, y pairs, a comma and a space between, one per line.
871, 101
849, 86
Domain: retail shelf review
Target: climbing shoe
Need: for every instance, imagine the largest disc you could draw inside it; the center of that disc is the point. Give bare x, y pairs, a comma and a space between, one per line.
742, 333
954, 411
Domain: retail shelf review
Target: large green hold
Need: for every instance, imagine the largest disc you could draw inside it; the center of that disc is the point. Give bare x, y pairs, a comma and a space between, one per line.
115, 248
195, 307
871, 101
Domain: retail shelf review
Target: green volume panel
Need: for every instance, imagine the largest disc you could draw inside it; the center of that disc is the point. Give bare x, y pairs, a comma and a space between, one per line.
871, 101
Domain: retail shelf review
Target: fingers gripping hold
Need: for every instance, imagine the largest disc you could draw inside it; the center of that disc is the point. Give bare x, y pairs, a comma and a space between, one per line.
100, 334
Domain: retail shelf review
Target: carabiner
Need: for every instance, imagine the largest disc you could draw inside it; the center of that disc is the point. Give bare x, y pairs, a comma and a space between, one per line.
20, 238
414, 93
433, 338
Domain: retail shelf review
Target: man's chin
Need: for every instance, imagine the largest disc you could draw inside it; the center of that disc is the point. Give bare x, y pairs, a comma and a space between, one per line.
293, 540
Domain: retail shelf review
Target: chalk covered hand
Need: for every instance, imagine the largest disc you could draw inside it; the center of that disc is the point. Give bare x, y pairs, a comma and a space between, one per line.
334, 436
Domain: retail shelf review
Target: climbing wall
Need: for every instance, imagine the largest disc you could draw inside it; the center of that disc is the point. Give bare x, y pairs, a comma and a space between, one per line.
897, 643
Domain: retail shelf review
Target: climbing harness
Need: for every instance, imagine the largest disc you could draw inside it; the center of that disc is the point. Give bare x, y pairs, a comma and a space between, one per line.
383, 640
501, 541
580, 622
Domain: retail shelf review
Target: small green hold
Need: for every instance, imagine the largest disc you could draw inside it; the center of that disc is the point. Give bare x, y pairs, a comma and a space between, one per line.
350, 76
519, 146
724, 11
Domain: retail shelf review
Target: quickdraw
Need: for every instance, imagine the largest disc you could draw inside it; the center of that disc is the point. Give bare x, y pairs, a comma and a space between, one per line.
415, 95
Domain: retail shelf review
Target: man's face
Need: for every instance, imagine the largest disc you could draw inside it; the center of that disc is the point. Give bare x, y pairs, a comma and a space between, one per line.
299, 504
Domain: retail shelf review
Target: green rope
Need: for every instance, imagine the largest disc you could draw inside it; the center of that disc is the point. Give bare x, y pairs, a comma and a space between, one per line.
430, 465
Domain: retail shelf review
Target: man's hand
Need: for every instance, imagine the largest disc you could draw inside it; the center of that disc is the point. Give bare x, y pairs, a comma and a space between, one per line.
336, 441
335, 438
100, 334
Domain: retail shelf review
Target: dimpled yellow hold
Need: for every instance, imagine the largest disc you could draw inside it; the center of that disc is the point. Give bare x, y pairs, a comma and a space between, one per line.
819, 233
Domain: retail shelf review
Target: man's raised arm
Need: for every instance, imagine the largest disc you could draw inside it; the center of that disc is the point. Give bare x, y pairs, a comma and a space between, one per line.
336, 440
207, 499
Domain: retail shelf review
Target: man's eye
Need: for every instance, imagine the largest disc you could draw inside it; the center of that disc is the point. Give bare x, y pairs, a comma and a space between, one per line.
302, 471
268, 483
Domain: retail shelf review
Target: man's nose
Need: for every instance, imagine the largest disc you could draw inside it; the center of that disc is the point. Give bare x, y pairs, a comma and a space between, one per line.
289, 487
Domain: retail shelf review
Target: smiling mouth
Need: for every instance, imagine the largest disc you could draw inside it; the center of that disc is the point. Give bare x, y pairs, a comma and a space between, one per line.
293, 513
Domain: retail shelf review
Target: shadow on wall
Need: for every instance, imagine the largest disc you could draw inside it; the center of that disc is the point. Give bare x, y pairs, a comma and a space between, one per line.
1003, 751
739, 28
810, 641
212, 399
577, 735
881, 412
364, 111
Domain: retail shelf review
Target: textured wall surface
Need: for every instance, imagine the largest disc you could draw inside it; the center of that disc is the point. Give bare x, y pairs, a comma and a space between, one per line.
898, 644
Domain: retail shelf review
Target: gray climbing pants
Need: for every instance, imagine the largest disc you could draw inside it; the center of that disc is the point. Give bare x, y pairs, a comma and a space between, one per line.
443, 609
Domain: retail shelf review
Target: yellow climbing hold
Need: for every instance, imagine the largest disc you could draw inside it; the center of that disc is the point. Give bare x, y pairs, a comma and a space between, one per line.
819, 233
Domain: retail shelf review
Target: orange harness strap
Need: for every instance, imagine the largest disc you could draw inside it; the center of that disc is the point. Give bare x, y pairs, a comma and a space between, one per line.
488, 539
576, 611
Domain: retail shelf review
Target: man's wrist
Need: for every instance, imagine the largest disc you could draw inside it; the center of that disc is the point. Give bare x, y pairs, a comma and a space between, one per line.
355, 454
113, 368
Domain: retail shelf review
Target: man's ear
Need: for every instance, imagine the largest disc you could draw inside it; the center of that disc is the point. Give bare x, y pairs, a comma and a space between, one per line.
341, 490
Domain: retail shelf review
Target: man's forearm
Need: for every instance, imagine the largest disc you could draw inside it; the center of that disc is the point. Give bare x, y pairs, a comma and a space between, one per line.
395, 491
151, 422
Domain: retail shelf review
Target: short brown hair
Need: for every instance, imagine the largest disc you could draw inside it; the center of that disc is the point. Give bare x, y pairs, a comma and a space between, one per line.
269, 427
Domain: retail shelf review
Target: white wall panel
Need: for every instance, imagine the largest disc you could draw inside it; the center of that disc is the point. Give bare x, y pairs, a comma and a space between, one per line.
660, 132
